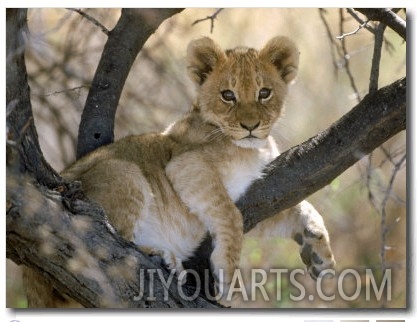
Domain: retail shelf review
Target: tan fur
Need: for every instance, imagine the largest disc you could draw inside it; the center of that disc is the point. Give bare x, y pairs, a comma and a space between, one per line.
165, 191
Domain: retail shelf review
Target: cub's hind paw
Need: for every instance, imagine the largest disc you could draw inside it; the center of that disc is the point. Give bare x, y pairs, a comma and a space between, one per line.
315, 251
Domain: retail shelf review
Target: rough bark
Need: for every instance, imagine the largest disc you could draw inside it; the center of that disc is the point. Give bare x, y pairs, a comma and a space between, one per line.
75, 247
124, 42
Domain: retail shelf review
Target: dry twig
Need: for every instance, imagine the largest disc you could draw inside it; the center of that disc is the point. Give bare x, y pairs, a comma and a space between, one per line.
91, 19
333, 45
361, 22
211, 18
64, 91
354, 32
346, 58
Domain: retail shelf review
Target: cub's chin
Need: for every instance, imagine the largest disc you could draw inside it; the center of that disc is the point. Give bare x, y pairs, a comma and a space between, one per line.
251, 143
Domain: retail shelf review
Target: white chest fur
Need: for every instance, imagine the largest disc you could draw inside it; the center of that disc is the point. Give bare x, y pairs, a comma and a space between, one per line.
241, 172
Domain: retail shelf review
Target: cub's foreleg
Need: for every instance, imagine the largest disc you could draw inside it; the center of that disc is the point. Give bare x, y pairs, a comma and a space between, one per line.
305, 225
199, 186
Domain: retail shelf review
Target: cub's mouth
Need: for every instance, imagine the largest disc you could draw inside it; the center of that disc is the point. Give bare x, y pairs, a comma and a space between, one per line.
253, 135
253, 138
250, 136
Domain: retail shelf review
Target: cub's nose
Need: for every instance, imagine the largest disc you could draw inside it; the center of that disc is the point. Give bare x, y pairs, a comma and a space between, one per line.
249, 126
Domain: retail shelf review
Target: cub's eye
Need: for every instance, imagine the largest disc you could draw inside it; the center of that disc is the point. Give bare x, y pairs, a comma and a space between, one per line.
228, 95
264, 93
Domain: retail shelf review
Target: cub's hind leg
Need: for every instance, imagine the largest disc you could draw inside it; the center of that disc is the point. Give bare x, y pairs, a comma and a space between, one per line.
119, 187
305, 225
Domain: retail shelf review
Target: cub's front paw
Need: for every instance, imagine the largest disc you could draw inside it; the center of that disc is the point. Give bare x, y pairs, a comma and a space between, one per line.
223, 268
315, 250
175, 264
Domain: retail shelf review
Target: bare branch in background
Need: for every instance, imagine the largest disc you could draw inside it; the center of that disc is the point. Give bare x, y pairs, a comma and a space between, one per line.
388, 17
376, 58
64, 91
211, 18
361, 22
354, 32
333, 45
91, 19
379, 194
378, 31
389, 46
384, 228
340, 55
346, 56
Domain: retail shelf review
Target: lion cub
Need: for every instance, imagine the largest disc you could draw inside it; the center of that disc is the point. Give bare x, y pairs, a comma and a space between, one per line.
165, 191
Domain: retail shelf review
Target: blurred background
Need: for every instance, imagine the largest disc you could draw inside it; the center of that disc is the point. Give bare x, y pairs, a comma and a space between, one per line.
364, 209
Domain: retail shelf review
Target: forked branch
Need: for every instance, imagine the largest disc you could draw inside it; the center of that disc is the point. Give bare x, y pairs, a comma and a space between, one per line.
211, 18
388, 17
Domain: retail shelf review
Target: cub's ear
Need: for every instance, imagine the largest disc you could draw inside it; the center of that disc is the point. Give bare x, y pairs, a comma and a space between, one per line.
284, 54
202, 55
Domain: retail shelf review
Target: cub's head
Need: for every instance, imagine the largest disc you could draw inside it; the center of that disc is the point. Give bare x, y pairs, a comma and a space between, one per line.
242, 90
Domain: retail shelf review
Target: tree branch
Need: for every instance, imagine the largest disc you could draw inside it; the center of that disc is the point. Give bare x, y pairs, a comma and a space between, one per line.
129, 35
388, 17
